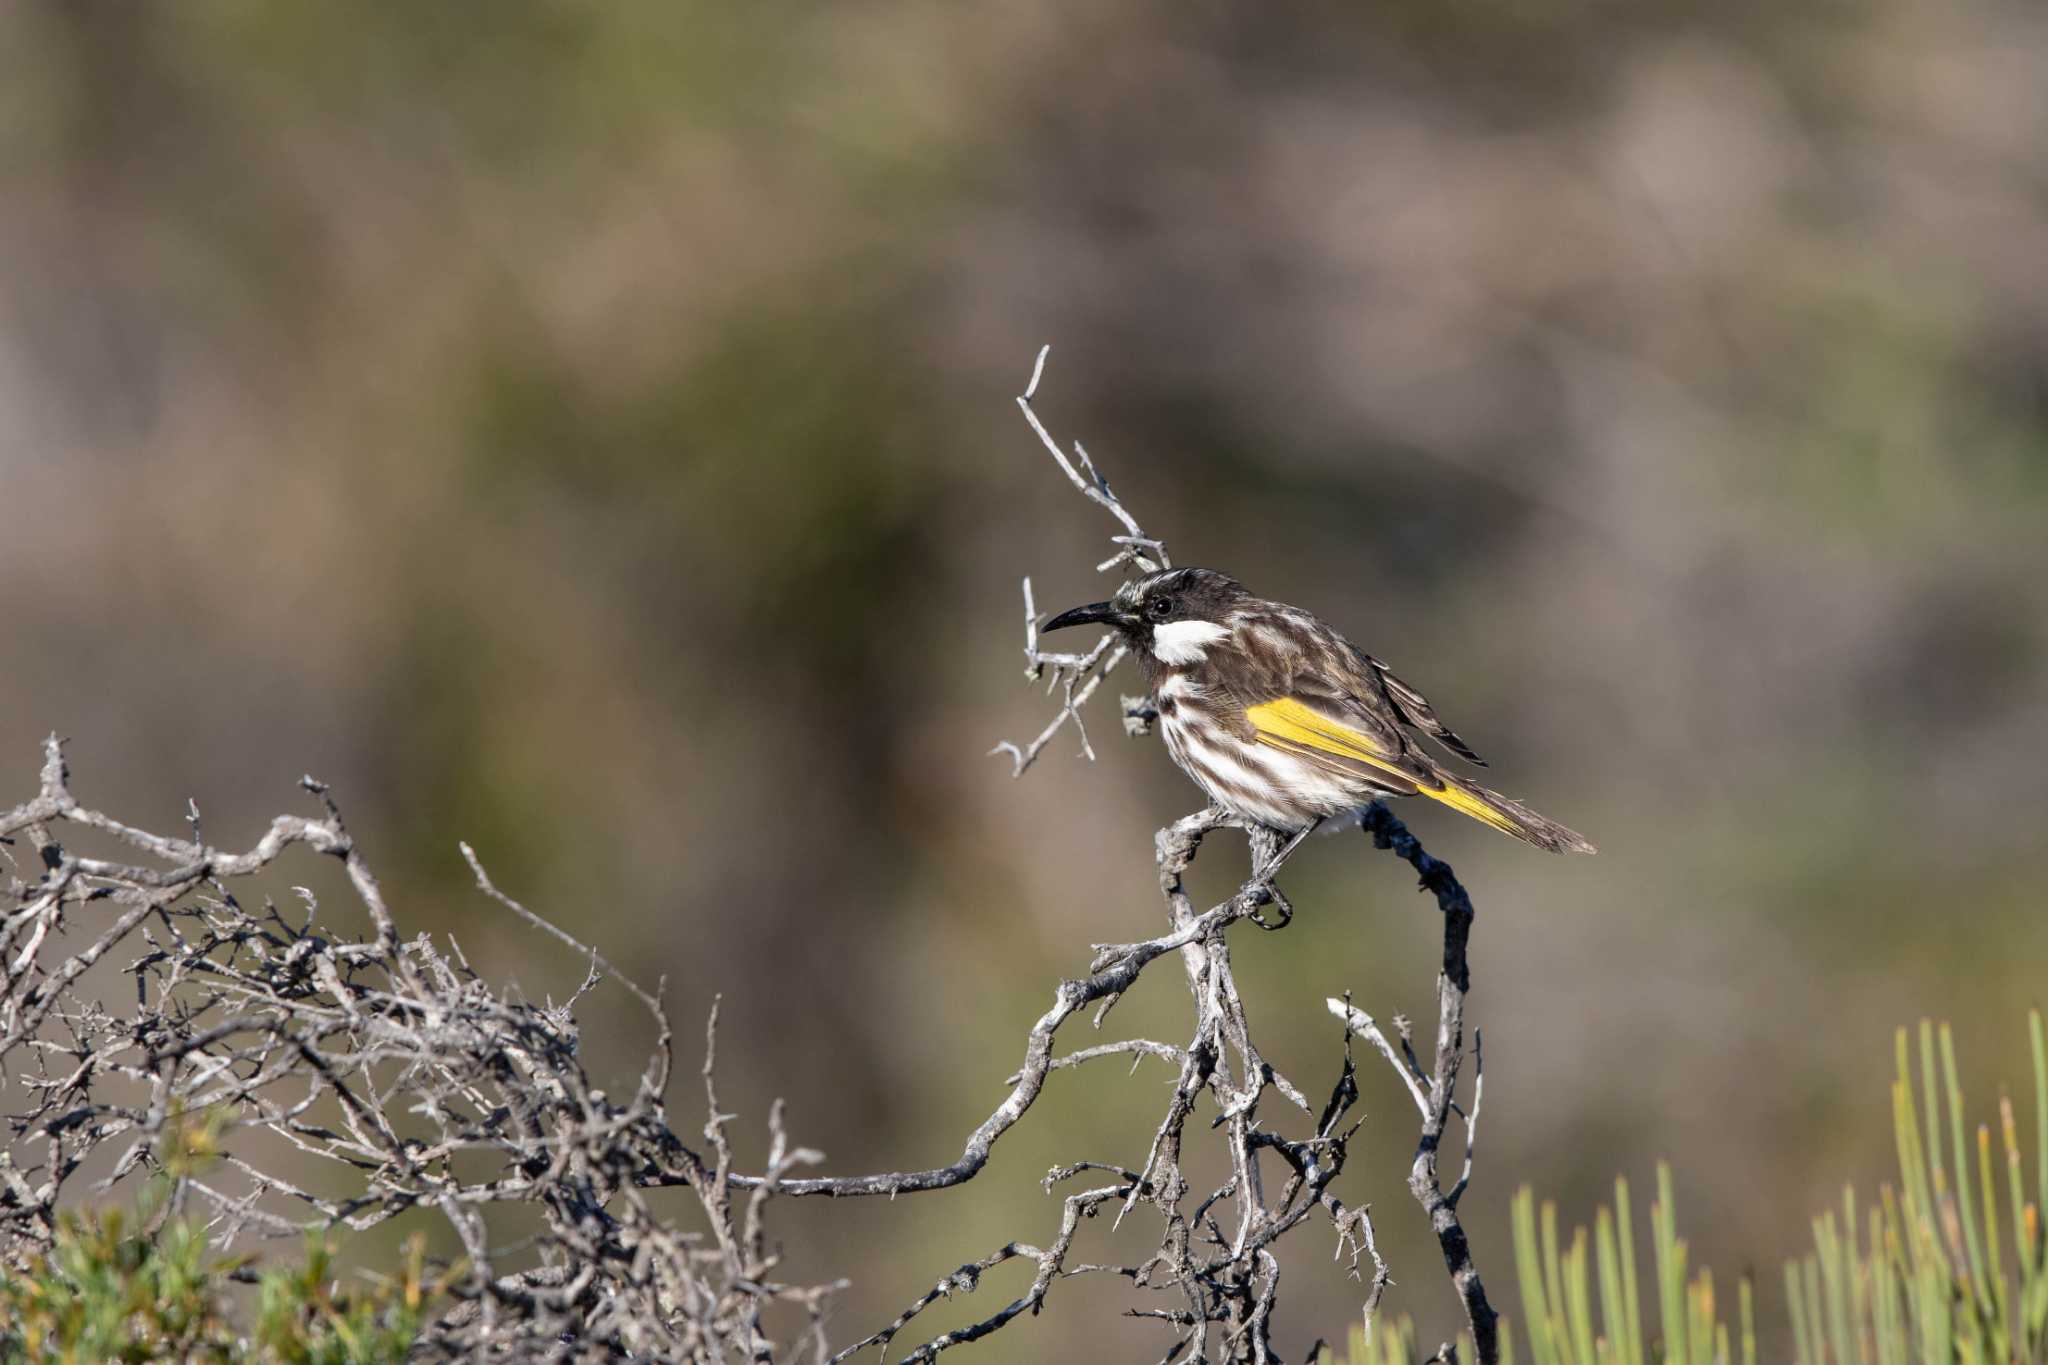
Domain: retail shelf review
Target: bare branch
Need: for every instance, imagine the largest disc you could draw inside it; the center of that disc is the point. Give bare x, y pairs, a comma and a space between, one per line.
1077, 676
1092, 486
1453, 982
427, 1093
384, 1058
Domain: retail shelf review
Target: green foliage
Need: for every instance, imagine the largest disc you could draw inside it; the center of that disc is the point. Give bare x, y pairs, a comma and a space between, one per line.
106, 1292
1393, 1342
111, 1289
1922, 1279
1557, 1284
1557, 1290
302, 1320
116, 1286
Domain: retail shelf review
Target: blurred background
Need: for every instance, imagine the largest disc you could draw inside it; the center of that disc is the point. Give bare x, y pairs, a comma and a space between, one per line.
586, 431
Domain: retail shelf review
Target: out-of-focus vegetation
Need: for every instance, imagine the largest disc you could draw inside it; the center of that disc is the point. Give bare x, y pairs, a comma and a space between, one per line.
1924, 1277
1920, 1277
115, 1291
145, 1285
584, 430
1558, 1286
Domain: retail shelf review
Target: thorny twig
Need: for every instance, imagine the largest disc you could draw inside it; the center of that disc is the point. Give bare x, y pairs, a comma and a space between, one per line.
385, 1059
390, 1062
1076, 676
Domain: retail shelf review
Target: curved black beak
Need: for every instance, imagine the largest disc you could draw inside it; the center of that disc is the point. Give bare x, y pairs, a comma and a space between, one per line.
1104, 612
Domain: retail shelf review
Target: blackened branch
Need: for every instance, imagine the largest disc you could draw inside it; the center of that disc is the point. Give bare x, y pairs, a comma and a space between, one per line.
1437, 879
1436, 1092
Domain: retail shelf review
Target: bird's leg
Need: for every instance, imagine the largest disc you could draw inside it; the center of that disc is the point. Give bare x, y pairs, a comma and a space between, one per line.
1271, 837
1268, 853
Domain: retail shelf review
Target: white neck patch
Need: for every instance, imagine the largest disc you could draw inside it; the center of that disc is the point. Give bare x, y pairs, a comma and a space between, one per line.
1185, 642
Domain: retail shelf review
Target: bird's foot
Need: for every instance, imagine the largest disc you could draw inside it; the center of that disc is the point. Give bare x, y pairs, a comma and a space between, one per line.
1268, 854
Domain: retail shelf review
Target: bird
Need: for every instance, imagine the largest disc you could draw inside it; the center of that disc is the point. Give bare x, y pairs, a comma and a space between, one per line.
1283, 722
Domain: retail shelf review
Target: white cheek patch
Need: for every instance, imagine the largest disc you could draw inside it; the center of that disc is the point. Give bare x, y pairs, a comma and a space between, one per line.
1185, 642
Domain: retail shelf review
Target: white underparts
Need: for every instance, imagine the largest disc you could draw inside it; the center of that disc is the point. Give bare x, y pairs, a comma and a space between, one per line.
1260, 782
1185, 642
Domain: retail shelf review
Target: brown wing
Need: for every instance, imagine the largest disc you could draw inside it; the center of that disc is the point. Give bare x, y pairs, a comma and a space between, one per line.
1416, 712
1292, 675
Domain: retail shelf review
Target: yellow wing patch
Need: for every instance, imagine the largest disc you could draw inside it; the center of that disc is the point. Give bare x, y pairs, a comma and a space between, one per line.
1286, 721
1288, 724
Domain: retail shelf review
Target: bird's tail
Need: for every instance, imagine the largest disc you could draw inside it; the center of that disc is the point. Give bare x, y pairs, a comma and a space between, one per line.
1504, 813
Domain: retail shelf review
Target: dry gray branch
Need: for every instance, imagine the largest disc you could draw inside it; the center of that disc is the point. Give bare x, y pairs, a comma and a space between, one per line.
390, 1061
1076, 676
432, 1095
1216, 1269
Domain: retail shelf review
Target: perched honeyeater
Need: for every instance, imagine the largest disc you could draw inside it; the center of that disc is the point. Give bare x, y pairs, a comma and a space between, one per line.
1283, 721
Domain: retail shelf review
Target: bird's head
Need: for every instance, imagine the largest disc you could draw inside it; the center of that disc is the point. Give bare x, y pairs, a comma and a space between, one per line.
1173, 615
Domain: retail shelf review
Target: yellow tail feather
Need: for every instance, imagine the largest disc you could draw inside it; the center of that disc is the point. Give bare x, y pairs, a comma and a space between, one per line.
1466, 803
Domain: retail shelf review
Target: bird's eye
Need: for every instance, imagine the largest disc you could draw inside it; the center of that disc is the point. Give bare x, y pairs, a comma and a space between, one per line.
1159, 608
